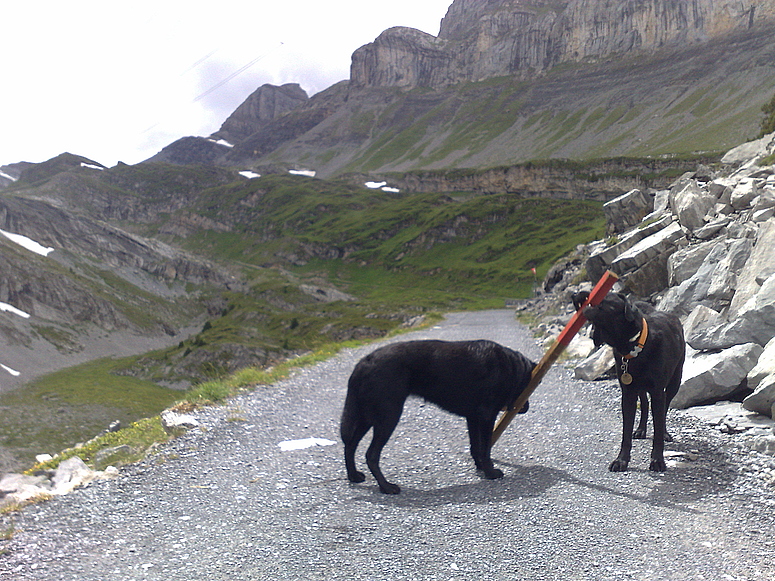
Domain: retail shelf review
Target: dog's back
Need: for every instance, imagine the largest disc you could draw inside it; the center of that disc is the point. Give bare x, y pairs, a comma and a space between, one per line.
454, 375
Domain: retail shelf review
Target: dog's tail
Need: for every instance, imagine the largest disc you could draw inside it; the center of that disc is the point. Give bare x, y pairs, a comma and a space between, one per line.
351, 412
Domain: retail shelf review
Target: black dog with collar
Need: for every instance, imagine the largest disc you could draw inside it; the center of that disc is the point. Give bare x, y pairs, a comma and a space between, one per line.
649, 350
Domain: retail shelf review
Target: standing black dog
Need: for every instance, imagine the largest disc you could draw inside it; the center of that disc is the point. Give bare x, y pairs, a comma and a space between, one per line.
649, 350
473, 379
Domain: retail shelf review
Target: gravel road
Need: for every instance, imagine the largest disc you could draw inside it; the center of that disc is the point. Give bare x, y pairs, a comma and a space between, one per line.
227, 503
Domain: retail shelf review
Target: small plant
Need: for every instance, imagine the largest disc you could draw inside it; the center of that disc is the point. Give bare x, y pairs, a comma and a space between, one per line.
7, 533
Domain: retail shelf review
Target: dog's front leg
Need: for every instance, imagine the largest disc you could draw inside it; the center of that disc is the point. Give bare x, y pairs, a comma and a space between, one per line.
480, 437
640, 433
629, 405
659, 414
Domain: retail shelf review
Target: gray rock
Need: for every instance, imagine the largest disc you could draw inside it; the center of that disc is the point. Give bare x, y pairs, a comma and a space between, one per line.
645, 250
596, 365
713, 376
762, 259
763, 397
174, 423
765, 445
601, 259
743, 194
764, 366
685, 262
626, 211
714, 281
699, 319
691, 203
750, 150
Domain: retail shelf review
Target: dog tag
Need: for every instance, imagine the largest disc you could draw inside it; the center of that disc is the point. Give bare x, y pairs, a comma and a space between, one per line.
626, 378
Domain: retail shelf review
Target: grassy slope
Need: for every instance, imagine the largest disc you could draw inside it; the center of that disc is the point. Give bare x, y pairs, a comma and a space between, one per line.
399, 255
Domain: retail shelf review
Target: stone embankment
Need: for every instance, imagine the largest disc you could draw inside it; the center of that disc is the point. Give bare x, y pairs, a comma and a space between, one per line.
703, 249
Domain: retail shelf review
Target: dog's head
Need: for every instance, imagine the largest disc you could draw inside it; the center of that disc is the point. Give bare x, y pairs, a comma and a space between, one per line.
616, 320
579, 299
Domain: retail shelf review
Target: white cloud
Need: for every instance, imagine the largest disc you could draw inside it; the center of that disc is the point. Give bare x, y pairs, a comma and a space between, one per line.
118, 81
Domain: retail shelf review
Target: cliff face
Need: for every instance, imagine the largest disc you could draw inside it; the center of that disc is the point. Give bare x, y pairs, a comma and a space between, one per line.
491, 38
265, 104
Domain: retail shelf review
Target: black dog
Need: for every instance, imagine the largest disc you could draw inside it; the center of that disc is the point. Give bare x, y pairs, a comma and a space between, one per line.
649, 350
473, 379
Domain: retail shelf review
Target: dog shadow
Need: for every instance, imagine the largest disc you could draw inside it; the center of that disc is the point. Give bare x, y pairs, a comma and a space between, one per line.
676, 489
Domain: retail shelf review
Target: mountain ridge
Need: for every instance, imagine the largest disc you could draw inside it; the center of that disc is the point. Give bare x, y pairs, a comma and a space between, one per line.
507, 82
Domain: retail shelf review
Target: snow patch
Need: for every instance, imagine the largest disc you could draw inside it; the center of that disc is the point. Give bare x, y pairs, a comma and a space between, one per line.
303, 172
289, 445
11, 371
251, 175
90, 166
391, 190
11, 309
6, 176
375, 185
221, 142
27, 243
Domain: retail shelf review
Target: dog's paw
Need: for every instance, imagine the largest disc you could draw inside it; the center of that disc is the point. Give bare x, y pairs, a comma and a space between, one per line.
524, 408
492, 473
668, 437
618, 465
356, 477
639, 434
390, 488
657, 465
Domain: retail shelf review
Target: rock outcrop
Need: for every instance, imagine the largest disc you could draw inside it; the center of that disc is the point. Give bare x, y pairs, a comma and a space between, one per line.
265, 104
490, 38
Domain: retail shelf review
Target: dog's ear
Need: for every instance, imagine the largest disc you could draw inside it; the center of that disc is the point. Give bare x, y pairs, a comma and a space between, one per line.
631, 312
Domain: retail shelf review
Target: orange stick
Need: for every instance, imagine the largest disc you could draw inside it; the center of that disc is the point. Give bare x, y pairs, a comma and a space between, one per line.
598, 294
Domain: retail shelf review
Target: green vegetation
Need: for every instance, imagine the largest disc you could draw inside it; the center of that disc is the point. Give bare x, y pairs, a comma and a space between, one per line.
768, 123
288, 240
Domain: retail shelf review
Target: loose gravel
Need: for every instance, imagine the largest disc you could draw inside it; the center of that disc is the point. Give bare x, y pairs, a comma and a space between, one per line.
227, 503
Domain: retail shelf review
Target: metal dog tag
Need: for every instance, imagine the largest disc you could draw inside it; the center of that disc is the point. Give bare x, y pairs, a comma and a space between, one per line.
626, 378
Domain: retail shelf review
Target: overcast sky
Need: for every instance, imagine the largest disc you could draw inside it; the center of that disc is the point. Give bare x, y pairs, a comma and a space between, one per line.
117, 81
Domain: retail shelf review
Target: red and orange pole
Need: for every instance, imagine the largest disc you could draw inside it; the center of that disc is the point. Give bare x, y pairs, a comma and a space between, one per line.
598, 294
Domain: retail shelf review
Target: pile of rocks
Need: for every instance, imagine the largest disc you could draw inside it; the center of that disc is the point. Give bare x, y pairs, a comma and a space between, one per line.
22, 489
705, 250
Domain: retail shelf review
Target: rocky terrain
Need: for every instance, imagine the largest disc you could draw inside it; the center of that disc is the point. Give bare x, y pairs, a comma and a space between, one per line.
703, 249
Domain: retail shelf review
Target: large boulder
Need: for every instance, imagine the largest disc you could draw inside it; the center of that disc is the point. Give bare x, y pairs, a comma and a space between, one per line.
759, 266
627, 210
762, 399
690, 202
754, 323
596, 365
686, 261
764, 366
714, 282
714, 376
602, 257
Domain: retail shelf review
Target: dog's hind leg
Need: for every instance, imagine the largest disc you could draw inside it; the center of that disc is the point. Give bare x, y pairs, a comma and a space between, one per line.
659, 413
351, 441
382, 432
352, 429
629, 403
480, 436
640, 433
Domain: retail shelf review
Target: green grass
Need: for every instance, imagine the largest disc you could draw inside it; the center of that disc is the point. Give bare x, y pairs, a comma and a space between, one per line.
70, 406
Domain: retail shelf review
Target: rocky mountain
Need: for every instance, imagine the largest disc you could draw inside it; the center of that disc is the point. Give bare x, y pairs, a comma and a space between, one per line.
509, 81
480, 40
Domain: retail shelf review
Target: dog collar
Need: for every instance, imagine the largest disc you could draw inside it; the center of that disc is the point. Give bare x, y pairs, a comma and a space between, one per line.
641, 341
